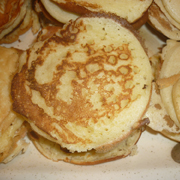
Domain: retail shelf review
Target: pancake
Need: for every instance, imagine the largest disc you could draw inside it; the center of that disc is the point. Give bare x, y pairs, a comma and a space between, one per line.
85, 88
159, 18
170, 68
54, 152
12, 128
25, 19
57, 12
176, 98
11, 14
133, 11
172, 7
44, 17
163, 111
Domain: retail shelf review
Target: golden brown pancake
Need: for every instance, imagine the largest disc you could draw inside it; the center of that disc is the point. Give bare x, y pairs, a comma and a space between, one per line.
86, 87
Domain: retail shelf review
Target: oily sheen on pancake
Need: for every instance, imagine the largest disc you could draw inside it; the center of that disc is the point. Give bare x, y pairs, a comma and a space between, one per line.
88, 86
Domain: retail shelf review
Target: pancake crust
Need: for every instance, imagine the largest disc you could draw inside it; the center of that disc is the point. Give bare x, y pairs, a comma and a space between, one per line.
88, 86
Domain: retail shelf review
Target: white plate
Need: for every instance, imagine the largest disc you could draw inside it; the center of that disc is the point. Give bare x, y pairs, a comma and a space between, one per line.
153, 161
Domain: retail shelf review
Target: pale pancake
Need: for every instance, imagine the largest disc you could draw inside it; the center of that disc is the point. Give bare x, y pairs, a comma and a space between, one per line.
85, 88
12, 129
131, 10
9, 65
160, 22
44, 17
55, 153
162, 7
176, 98
57, 12
12, 140
172, 7
170, 67
160, 120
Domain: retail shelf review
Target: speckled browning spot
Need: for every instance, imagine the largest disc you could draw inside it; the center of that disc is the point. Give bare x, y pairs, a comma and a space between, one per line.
169, 121
158, 106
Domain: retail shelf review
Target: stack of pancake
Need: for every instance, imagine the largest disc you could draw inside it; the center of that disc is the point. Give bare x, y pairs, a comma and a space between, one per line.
85, 89
16, 17
134, 11
164, 16
12, 128
164, 110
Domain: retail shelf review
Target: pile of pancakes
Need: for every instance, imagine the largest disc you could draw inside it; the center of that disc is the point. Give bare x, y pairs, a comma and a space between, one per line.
86, 89
134, 11
164, 16
12, 127
80, 88
16, 17
164, 109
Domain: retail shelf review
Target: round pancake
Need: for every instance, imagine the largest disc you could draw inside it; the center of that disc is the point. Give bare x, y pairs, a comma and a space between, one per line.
44, 17
12, 13
88, 86
160, 22
160, 120
54, 152
171, 20
12, 129
131, 10
172, 7
170, 67
21, 29
8, 67
57, 12
176, 98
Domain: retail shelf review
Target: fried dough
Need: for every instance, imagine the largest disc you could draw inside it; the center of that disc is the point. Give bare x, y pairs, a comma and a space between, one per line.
85, 88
